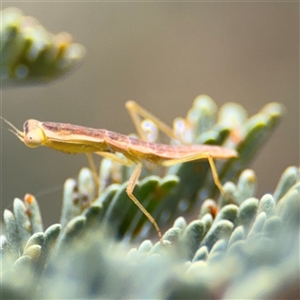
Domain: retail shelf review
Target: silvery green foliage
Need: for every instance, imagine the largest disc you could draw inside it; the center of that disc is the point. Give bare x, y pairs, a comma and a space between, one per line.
209, 257
228, 251
248, 251
30, 54
187, 185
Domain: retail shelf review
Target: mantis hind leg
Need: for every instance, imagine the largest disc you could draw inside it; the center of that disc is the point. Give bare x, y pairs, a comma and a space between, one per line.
201, 156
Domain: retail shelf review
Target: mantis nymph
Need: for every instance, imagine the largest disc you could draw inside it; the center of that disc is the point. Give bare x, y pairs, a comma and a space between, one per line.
75, 139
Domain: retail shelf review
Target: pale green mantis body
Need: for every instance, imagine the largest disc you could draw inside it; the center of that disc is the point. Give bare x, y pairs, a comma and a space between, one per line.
75, 139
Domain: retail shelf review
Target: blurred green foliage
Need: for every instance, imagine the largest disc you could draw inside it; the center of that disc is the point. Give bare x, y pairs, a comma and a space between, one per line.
211, 249
30, 54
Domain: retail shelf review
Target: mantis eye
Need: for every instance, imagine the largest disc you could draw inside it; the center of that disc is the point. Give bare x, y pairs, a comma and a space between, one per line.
34, 138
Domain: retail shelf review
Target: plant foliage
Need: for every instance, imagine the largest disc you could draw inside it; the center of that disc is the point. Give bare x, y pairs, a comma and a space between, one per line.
101, 249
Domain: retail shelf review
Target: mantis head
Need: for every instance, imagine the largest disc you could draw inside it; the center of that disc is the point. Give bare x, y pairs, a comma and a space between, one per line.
32, 136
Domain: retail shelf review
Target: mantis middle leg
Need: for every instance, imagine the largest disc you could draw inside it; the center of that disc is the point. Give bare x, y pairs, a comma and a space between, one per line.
131, 184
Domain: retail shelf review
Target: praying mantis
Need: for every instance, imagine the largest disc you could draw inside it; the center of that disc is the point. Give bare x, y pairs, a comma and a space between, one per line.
73, 139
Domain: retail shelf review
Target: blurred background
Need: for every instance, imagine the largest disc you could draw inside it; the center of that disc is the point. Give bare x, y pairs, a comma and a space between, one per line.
162, 55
